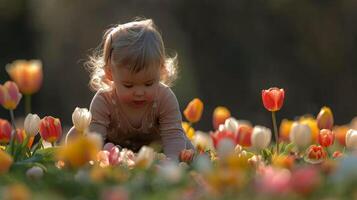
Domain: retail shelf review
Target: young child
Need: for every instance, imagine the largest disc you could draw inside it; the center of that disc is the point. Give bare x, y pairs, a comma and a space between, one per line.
133, 105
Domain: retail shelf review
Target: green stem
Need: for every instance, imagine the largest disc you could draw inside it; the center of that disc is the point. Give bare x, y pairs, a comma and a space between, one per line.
27, 104
275, 131
53, 144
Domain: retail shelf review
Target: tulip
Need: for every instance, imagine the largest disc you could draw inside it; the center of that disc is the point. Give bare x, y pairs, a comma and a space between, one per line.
273, 98
283, 161
145, 157
80, 150
244, 135
325, 118
32, 124
202, 141
194, 110
50, 129
81, 119
5, 131
103, 158
20, 135
312, 123
305, 180
220, 135
340, 134
315, 154
284, 129
300, 134
231, 124
326, 137
220, 115
260, 137
9, 95
5, 162
337, 154
26, 74
351, 139
189, 131
186, 155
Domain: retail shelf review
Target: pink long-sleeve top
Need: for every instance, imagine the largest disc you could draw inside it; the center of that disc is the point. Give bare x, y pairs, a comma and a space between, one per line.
161, 122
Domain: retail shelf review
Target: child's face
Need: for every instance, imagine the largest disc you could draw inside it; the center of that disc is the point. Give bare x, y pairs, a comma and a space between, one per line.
136, 90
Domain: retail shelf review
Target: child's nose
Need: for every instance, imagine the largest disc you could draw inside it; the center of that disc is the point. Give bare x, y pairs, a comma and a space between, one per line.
139, 92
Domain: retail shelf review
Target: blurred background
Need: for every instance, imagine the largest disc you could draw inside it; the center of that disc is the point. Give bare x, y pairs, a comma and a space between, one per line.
228, 52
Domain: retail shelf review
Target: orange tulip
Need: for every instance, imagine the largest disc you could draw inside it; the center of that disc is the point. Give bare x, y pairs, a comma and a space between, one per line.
284, 129
50, 129
325, 118
244, 135
5, 162
20, 135
193, 111
326, 137
340, 134
27, 74
5, 131
9, 95
220, 114
273, 98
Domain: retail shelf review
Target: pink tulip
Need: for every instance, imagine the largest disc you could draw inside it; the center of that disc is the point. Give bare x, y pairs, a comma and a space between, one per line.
5, 131
9, 95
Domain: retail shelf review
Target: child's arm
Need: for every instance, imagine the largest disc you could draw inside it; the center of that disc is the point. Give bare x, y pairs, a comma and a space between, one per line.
173, 138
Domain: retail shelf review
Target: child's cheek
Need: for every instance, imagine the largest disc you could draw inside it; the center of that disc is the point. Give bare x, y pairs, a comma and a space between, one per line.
125, 98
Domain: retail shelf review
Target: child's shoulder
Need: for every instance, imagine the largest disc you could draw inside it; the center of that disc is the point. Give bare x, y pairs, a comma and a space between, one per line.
102, 97
166, 96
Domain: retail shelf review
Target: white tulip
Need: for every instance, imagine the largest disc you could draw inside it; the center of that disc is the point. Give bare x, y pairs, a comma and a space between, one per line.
260, 137
202, 140
231, 124
81, 118
32, 124
225, 148
351, 139
300, 134
145, 157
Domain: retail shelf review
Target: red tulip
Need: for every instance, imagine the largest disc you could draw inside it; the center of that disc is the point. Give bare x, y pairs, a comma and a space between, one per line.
337, 154
223, 134
244, 135
326, 137
315, 154
5, 131
273, 98
20, 135
50, 129
186, 155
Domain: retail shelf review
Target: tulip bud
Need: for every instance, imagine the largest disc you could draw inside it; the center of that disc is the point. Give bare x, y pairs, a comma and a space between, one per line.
220, 115
300, 134
231, 124
27, 75
32, 124
81, 119
325, 118
194, 110
145, 157
9, 95
50, 129
351, 139
315, 154
186, 155
244, 135
34, 173
5, 162
260, 137
337, 154
20, 135
326, 137
114, 155
5, 131
284, 129
340, 134
273, 98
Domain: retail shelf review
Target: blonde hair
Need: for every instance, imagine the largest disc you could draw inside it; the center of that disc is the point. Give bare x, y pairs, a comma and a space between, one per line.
136, 44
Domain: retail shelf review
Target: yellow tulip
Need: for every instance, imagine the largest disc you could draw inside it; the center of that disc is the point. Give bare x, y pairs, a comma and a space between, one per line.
193, 111
28, 75
80, 150
312, 123
284, 129
220, 114
190, 132
325, 118
5, 162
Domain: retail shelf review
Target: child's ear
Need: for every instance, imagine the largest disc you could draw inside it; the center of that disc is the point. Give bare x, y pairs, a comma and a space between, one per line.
108, 73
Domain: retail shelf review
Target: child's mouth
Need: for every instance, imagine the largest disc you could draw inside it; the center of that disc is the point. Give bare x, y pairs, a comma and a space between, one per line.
139, 103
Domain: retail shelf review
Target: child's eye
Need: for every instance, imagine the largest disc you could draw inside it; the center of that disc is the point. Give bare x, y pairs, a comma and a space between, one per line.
128, 85
149, 84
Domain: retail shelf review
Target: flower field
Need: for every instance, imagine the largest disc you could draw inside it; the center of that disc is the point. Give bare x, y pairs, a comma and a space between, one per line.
309, 157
